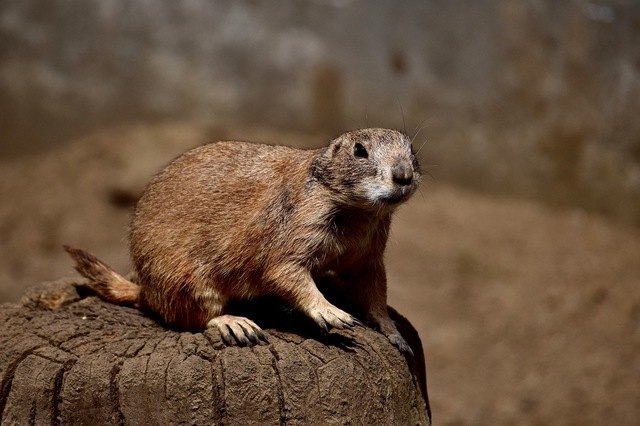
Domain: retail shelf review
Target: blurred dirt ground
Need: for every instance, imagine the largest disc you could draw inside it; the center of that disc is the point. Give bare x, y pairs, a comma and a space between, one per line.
528, 315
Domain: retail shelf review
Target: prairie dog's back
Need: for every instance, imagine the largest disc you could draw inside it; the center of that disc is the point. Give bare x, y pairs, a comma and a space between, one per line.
225, 174
217, 182
205, 201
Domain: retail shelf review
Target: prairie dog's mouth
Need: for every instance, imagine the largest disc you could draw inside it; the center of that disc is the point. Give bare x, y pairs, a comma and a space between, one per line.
392, 195
393, 200
398, 195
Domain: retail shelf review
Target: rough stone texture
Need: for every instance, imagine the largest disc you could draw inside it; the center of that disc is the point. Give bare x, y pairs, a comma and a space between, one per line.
69, 358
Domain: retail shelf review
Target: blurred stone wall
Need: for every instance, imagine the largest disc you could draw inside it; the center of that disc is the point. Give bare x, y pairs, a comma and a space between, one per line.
536, 98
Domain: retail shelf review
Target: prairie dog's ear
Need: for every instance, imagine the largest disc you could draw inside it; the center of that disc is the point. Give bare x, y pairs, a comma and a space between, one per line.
334, 147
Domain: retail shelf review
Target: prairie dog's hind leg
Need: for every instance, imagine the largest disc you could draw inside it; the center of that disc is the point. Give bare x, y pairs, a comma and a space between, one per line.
239, 329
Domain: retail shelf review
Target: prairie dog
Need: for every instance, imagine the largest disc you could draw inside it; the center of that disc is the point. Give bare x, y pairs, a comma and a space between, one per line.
236, 220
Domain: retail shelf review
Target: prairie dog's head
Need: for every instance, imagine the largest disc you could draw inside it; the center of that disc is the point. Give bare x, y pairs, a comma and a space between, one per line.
369, 168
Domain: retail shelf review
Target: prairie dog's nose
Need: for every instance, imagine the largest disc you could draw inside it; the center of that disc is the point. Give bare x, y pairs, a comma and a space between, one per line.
402, 174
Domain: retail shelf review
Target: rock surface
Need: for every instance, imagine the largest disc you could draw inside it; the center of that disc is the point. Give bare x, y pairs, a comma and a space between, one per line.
70, 358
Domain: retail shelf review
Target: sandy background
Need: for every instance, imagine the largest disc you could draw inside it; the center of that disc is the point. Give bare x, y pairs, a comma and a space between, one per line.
528, 314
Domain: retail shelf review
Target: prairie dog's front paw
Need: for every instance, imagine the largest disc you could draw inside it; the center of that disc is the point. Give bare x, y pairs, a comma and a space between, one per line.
329, 315
398, 341
238, 330
388, 327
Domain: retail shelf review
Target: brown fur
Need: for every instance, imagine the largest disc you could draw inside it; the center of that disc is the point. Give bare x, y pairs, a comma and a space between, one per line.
110, 285
234, 220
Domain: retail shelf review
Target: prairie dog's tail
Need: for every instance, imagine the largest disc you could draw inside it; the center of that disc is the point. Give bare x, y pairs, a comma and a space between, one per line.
110, 285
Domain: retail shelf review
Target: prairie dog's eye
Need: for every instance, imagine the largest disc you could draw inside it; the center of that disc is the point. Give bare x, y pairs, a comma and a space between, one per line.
360, 151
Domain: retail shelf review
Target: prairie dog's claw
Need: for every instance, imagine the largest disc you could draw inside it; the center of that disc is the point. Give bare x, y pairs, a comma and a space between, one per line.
332, 316
400, 343
238, 330
388, 327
